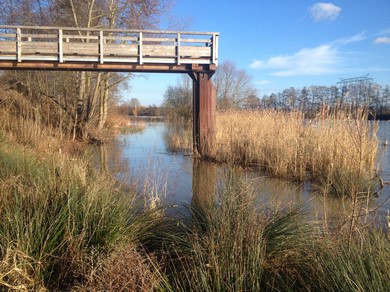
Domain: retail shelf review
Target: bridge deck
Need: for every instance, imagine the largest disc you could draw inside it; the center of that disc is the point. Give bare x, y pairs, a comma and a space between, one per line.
23, 47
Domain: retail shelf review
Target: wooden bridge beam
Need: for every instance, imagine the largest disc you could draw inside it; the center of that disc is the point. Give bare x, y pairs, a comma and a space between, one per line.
204, 107
106, 67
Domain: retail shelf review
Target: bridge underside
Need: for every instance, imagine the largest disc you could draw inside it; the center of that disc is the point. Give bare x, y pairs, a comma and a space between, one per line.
111, 50
107, 67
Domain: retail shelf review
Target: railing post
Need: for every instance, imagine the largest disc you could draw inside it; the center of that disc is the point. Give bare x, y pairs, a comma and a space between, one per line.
214, 52
140, 48
101, 42
178, 49
18, 45
60, 47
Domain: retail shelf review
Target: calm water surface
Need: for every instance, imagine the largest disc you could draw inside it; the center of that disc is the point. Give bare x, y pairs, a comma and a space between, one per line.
143, 158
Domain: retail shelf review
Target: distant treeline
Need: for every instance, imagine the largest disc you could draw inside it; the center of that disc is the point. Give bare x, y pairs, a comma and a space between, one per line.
140, 110
311, 100
373, 98
235, 90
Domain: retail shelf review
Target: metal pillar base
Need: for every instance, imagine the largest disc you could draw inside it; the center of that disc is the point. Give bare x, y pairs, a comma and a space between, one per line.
204, 98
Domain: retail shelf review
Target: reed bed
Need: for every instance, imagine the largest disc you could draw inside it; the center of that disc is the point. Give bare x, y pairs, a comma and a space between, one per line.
178, 137
19, 117
332, 150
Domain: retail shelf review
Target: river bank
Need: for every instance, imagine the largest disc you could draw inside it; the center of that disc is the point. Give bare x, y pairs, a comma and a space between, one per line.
63, 226
67, 225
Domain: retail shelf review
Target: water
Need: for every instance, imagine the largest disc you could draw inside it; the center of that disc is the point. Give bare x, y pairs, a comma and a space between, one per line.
143, 159
383, 165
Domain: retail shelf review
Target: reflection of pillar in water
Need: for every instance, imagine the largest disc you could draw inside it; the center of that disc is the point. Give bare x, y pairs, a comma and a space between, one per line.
103, 158
203, 185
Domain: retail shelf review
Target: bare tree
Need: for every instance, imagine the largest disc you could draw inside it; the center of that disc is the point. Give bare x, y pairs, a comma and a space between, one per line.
252, 102
87, 103
178, 99
233, 86
134, 105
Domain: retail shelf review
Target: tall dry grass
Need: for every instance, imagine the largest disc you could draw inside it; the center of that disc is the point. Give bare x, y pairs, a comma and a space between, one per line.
25, 123
57, 216
325, 149
237, 243
62, 223
119, 123
64, 227
178, 136
19, 117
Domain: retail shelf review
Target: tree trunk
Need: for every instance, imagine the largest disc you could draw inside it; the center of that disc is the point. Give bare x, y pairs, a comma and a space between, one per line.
79, 119
103, 101
93, 100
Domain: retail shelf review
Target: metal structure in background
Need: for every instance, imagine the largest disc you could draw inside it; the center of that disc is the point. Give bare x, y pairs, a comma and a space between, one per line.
92, 49
354, 90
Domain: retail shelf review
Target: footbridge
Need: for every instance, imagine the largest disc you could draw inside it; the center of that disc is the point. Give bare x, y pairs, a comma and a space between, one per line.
95, 49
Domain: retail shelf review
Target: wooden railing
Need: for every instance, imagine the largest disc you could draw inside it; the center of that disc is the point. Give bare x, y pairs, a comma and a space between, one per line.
23, 43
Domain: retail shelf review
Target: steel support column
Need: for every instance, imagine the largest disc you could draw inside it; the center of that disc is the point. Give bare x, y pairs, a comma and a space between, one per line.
204, 99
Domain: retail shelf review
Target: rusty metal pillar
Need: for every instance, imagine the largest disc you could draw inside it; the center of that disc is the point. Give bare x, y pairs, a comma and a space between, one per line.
204, 98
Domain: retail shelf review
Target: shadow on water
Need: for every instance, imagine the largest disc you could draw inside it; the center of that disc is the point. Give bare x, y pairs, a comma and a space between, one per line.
143, 160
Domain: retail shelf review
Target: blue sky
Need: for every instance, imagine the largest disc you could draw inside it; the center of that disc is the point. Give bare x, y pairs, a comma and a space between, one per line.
284, 43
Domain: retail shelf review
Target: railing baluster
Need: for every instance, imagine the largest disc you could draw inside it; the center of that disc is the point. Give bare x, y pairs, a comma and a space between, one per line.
60, 47
18, 45
178, 48
140, 48
214, 52
101, 42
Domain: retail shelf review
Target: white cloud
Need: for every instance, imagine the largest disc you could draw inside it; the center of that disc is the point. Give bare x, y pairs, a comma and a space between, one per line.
307, 61
324, 11
348, 40
263, 82
383, 32
382, 40
320, 60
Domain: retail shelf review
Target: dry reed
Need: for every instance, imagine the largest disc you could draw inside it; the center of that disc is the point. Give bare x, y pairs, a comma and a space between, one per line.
178, 137
288, 145
124, 269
